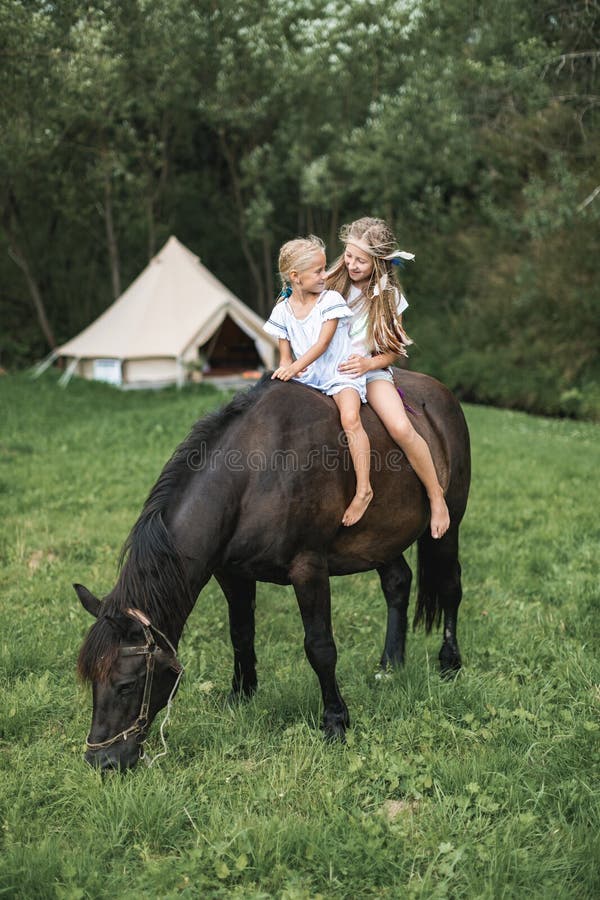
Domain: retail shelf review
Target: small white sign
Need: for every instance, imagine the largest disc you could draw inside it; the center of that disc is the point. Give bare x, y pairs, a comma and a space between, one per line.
108, 370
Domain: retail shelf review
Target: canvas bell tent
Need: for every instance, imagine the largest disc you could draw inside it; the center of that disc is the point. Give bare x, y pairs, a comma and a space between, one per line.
174, 319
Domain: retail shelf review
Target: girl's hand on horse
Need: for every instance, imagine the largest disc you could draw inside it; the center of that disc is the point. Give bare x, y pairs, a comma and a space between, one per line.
355, 365
287, 371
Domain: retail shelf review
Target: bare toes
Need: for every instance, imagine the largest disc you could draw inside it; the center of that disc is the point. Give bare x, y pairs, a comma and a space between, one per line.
357, 509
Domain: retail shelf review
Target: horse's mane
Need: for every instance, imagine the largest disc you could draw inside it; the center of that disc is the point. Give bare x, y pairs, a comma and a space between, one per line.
152, 576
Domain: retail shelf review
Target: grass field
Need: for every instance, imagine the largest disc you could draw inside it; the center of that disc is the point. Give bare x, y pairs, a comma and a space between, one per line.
483, 787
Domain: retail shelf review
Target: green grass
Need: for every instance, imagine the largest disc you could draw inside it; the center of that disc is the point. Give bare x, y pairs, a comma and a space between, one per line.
483, 787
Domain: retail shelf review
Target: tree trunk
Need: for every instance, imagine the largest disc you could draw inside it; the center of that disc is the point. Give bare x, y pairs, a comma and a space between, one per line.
310, 225
18, 255
333, 232
151, 226
239, 202
154, 196
269, 287
111, 239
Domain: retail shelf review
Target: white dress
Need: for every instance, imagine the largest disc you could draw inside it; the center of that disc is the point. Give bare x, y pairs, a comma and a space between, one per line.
358, 329
303, 334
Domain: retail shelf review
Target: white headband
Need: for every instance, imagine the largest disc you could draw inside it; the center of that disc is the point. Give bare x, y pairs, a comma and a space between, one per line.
400, 254
362, 245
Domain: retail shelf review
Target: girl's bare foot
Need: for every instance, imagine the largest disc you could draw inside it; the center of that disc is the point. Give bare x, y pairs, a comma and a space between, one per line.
357, 508
440, 517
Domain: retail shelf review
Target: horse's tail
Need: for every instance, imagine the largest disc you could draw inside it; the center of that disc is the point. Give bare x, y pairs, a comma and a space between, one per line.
429, 609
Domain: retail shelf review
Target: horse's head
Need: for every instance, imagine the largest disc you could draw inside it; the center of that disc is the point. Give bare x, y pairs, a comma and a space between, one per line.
134, 671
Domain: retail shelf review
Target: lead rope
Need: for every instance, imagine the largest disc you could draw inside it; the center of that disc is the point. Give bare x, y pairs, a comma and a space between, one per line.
167, 715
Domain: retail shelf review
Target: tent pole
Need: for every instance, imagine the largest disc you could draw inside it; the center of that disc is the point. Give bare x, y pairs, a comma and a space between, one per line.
41, 367
180, 373
68, 373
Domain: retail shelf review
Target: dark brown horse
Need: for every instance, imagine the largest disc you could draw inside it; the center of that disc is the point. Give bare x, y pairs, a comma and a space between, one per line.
256, 493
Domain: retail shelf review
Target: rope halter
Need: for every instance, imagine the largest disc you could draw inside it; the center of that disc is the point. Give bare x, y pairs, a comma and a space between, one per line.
149, 650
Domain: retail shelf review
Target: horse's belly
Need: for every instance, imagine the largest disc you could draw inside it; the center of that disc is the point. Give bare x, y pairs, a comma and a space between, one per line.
367, 550
273, 529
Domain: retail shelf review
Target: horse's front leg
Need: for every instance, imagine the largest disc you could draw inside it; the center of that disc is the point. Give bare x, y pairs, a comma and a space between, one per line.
310, 578
241, 599
395, 580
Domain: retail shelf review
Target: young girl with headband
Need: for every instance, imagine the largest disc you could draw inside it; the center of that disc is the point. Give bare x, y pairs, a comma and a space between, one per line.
365, 276
313, 324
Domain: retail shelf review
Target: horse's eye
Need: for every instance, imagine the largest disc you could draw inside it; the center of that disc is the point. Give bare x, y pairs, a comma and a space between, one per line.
126, 687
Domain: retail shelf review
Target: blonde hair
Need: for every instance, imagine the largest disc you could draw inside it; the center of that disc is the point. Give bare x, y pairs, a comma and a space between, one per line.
385, 334
297, 256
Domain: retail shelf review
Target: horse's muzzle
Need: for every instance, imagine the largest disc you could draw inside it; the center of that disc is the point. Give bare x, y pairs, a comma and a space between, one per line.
113, 759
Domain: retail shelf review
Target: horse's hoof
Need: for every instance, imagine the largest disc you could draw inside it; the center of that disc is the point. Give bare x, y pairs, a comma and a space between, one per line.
389, 664
235, 696
334, 726
388, 668
449, 668
334, 733
450, 661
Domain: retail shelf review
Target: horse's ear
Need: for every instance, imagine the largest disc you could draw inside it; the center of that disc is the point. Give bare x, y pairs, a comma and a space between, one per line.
87, 599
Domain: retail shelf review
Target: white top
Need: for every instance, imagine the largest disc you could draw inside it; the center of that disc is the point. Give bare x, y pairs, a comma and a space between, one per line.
358, 326
303, 334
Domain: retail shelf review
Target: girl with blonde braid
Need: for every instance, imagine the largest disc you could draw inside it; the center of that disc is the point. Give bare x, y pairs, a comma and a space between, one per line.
365, 276
311, 324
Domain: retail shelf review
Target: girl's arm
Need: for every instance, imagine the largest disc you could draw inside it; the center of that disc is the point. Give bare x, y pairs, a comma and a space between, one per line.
358, 365
285, 353
383, 360
285, 372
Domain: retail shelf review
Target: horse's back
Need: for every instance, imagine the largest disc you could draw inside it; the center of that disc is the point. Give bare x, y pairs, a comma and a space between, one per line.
297, 499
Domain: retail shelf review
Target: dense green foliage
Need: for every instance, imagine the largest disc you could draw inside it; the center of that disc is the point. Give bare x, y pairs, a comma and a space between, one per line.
473, 127
483, 787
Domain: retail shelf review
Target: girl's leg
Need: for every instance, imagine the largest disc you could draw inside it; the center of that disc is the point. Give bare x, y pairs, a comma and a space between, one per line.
348, 403
385, 400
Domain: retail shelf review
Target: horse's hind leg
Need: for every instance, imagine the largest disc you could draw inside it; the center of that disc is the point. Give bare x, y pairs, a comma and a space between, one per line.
241, 599
440, 593
310, 578
449, 600
395, 580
